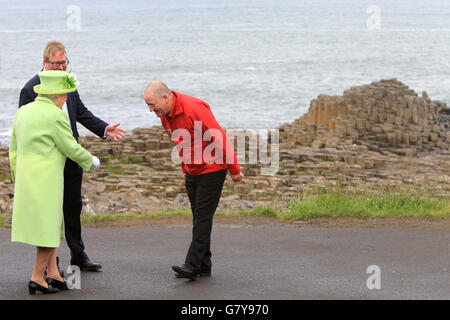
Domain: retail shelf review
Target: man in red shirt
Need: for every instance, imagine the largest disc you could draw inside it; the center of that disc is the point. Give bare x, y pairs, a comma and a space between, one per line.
206, 155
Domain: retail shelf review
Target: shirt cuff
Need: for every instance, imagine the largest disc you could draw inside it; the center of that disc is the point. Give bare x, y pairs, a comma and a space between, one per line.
234, 169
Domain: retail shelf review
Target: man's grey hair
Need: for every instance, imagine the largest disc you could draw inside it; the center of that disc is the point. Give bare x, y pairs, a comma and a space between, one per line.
52, 47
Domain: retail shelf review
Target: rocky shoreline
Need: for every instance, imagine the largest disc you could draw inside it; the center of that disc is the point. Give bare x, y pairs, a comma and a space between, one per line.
376, 137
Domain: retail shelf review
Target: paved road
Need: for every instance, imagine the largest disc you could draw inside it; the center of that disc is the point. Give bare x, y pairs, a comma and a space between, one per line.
266, 261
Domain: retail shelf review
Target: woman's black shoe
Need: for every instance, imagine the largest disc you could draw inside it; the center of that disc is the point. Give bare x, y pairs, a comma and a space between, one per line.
33, 286
61, 285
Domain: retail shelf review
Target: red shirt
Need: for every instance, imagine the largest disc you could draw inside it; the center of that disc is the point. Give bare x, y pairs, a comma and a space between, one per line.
201, 142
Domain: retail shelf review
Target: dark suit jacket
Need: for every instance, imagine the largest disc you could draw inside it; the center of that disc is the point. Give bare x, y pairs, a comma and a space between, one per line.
77, 111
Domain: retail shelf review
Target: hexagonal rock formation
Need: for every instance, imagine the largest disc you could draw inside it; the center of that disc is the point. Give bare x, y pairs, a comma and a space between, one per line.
382, 115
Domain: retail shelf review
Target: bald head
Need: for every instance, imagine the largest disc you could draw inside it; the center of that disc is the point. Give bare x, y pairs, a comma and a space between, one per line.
157, 89
158, 98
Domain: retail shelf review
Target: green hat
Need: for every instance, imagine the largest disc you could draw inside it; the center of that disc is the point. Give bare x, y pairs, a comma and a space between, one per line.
56, 82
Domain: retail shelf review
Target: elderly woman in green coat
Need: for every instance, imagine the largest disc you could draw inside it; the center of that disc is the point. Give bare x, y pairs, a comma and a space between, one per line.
41, 140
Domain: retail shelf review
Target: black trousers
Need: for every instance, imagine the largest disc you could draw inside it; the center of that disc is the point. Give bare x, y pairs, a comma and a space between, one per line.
72, 205
204, 192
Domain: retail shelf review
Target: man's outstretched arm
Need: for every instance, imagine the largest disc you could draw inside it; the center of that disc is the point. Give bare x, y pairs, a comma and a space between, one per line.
96, 125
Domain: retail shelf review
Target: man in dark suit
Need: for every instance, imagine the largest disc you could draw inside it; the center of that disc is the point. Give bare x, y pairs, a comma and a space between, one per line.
55, 58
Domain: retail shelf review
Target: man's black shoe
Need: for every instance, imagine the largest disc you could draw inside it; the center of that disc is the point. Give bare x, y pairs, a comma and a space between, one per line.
186, 271
88, 265
203, 272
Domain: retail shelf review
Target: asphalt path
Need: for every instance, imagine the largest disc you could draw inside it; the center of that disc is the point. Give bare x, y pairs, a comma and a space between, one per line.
250, 261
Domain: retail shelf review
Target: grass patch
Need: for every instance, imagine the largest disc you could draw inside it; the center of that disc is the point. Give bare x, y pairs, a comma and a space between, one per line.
115, 217
135, 159
116, 157
124, 170
329, 204
260, 211
366, 205
3, 224
5, 177
120, 171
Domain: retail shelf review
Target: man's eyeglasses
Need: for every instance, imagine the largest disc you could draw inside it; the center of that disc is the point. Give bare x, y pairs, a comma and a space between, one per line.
58, 63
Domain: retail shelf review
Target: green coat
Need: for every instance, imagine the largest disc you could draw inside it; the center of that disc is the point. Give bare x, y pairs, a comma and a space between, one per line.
41, 140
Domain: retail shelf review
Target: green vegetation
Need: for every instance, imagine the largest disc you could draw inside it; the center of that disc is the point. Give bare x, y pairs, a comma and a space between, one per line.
333, 204
126, 160
124, 170
134, 159
114, 217
330, 204
260, 211
120, 171
5, 177
3, 224
366, 205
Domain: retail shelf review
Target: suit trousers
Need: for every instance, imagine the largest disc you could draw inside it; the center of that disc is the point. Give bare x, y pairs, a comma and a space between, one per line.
204, 191
72, 206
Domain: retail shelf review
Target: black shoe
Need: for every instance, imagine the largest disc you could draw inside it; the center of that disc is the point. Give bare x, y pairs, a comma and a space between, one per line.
33, 287
61, 285
88, 265
61, 272
186, 271
203, 272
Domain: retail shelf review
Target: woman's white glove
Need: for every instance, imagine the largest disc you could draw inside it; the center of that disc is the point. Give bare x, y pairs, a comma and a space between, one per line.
95, 162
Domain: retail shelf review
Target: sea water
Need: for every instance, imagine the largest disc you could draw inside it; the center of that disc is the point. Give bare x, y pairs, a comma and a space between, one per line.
258, 64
